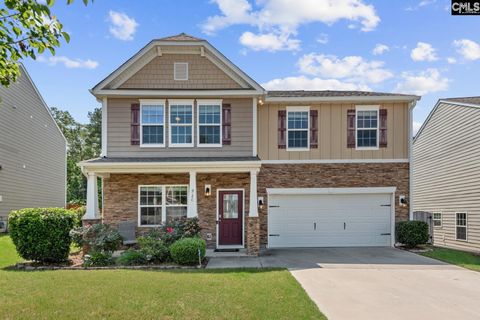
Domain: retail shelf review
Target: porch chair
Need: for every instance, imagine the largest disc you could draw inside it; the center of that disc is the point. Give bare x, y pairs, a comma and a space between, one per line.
127, 231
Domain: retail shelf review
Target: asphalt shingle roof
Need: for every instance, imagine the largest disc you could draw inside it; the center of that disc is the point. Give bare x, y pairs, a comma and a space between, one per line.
471, 100
181, 37
328, 93
170, 159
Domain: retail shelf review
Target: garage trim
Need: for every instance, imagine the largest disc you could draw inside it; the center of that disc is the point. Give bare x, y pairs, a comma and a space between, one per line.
365, 190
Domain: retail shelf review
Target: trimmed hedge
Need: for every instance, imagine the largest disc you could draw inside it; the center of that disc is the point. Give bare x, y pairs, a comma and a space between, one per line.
185, 251
412, 233
42, 234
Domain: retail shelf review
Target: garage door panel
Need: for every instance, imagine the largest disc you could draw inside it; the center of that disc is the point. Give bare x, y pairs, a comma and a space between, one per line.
329, 220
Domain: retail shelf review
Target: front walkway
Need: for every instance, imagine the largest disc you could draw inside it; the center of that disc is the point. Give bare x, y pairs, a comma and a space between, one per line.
375, 283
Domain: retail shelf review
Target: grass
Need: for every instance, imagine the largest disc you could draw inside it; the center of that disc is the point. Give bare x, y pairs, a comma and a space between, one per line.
460, 258
129, 294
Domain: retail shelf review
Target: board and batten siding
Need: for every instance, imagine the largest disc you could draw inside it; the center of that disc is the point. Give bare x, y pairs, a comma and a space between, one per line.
446, 172
332, 133
32, 151
118, 133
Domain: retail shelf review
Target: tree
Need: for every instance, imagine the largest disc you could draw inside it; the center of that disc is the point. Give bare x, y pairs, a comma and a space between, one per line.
27, 28
84, 142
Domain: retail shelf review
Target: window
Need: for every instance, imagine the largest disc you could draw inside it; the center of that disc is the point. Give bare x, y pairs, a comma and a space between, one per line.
160, 204
367, 127
298, 128
180, 71
152, 123
181, 123
437, 219
461, 225
209, 123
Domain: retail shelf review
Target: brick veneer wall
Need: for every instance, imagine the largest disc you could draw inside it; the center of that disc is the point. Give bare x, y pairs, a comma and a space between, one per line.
121, 197
332, 176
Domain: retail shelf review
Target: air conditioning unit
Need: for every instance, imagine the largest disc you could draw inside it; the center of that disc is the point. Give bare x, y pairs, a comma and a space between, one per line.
3, 226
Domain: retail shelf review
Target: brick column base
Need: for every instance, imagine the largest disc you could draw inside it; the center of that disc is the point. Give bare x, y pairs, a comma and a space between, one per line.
253, 236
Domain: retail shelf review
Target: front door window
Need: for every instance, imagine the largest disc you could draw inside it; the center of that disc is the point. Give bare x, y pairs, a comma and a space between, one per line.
230, 206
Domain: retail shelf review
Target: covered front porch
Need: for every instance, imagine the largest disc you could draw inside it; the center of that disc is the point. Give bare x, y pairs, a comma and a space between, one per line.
221, 193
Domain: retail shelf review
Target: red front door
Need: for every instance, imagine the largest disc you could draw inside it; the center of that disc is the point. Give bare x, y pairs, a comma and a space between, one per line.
230, 216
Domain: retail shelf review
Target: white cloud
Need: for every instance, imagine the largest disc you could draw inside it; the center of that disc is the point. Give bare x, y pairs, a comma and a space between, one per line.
323, 38
469, 49
451, 60
416, 126
424, 82
284, 17
350, 68
69, 63
269, 41
122, 26
380, 49
305, 83
423, 52
421, 4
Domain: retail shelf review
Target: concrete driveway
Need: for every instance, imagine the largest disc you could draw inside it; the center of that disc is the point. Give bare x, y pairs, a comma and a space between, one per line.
381, 283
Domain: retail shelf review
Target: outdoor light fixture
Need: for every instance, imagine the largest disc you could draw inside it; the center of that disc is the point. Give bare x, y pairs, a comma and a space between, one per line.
260, 203
402, 201
208, 190
260, 102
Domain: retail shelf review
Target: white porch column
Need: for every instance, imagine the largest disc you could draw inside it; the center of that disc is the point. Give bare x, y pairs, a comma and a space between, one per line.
253, 194
92, 197
192, 204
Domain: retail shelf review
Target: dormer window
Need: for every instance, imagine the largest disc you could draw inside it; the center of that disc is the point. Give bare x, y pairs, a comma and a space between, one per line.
180, 71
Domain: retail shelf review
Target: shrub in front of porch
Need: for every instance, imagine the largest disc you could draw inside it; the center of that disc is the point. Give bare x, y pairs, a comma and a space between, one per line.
179, 228
188, 251
153, 247
42, 234
412, 233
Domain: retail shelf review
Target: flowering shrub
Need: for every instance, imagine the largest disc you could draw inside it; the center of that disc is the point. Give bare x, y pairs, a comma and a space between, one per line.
98, 237
153, 247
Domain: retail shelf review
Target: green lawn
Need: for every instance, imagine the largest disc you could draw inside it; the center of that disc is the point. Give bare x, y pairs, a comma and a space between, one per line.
130, 294
460, 258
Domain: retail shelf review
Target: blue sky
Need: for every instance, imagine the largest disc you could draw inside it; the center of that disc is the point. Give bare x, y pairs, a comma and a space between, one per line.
409, 46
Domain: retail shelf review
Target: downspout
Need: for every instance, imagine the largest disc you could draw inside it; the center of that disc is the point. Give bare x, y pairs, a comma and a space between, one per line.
410, 159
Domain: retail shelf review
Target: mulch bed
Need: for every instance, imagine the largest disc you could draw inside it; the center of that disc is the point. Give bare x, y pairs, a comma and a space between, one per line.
75, 262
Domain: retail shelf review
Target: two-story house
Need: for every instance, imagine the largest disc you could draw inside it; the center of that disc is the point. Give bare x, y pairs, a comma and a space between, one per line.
186, 133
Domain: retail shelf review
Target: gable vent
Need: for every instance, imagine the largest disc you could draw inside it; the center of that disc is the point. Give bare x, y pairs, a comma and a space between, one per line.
180, 71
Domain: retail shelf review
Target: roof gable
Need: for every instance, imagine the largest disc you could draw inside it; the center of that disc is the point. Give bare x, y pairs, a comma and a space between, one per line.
178, 45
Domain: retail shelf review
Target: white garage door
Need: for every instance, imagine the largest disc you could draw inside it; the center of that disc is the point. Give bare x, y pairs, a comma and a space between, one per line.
326, 220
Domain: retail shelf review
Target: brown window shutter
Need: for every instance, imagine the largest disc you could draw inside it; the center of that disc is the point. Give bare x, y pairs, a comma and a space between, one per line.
383, 128
282, 129
351, 128
313, 129
135, 125
226, 124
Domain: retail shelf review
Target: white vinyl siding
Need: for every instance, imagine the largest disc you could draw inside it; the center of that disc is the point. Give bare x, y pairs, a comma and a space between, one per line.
446, 172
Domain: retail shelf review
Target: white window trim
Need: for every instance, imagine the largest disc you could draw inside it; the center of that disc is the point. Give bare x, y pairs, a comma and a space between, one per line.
203, 102
152, 102
174, 73
164, 205
298, 109
441, 219
367, 108
180, 102
466, 226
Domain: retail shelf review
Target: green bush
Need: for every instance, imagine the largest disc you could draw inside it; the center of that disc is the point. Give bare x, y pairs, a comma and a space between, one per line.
153, 247
42, 234
98, 237
185, 251
412, 233
98, 259
179, 228
132, 258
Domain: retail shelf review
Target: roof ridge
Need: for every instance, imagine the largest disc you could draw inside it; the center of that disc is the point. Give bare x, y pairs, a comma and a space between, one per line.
180, 37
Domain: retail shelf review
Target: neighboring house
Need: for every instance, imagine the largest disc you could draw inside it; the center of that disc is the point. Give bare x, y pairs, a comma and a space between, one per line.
446, 172
186, 133
32, 150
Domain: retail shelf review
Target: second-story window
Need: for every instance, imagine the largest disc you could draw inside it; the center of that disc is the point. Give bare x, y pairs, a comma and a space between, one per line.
152, 123
181, 123
367, 127
209, 123
297, 128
